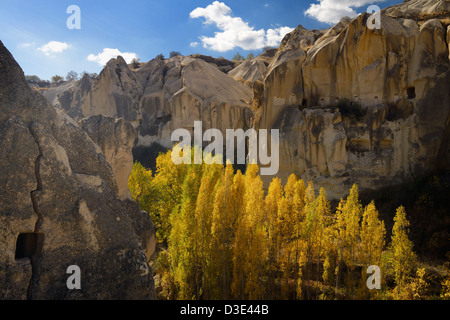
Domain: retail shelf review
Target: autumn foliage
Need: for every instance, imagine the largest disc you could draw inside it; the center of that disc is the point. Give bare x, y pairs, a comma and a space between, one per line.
223, 236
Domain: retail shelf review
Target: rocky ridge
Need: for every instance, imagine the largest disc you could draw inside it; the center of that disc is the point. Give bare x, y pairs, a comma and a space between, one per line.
353, 104
160, 96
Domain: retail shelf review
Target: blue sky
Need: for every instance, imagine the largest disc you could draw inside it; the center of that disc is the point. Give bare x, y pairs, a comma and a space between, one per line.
36, 33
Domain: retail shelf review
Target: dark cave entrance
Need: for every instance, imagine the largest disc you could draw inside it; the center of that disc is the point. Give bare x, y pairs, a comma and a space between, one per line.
411, 92
29, 245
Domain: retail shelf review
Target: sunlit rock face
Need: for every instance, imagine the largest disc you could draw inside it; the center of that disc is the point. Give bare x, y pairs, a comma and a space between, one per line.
159, 97
353, 104
398, 74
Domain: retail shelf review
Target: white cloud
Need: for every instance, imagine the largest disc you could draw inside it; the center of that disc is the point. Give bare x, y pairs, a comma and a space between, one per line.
193, 44
54, 47
235, 32
107, 54
331, 11
27, 44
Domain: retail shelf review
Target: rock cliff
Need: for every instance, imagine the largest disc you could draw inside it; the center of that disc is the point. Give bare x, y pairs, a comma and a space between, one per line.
115, 137
353, 104
60, 206
160, 96
362, 105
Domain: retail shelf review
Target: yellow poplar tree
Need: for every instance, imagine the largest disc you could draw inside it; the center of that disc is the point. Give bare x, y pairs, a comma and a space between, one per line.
183, 237
287, 235
299, 202
250, 254
145, 193
373, 235
309, 225
285, 243
203, 221
240, 246
139, 181
224, 216
348, 216
274, 194
404, 258
302, 248
255, 263
167, 188
160, 195
330, 237
300, 245
322, 211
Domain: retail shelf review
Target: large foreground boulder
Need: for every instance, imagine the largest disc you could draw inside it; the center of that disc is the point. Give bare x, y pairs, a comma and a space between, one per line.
60, 207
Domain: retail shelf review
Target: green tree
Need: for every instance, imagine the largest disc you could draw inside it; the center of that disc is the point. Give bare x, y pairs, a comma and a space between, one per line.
57, 78
174, 54
72, 76
268, 48
139, 182
32, 79
238, 57
183, 237
135, 63
161, 194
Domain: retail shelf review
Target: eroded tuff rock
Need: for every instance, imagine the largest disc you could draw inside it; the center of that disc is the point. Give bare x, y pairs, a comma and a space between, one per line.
400, 76
115, 137
249, 71
223, 64
283, 83
420, 9
191, 90
161, 96
448, 39
58, 195
252, 70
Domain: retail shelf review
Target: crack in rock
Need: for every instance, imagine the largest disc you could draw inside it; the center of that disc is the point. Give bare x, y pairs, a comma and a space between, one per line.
35, 259
34, 193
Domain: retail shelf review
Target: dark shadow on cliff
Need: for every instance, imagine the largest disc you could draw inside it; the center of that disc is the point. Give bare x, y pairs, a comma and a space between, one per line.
427, 204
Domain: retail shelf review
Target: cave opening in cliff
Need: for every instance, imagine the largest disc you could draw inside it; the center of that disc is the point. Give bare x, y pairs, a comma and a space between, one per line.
411, 92
29, 245
304, 103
